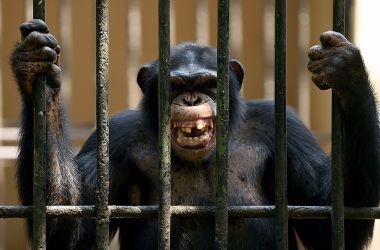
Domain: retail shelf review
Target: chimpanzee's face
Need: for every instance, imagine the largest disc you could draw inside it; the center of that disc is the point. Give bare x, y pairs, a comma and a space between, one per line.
193, 102
193, 113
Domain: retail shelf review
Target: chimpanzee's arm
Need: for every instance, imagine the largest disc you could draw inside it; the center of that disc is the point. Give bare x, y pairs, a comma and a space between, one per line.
37, 54
337, 64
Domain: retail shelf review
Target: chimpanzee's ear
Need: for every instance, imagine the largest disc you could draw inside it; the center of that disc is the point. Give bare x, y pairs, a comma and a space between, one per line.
238, 70
143, 75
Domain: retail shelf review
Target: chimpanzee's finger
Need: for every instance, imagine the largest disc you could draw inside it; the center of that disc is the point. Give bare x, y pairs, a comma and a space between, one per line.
57, 50
38, 40
333, 39
33, 25
316, 52
319, 79
40, 54
315, 66
53, 75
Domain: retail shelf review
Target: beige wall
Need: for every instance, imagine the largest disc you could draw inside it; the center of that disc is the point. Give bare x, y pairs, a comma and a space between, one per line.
133, 41
367, 15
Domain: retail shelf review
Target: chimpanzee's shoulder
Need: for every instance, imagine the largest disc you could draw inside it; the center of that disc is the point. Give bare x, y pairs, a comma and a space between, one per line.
126, 129
125, 122
130, 126
263, 111
259, 124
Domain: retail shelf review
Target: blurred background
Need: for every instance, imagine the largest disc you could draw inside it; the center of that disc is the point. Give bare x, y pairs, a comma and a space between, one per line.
134, 41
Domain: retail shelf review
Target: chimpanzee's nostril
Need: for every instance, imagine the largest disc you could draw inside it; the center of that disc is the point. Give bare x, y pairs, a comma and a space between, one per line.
197, 101
191, 99
187, 103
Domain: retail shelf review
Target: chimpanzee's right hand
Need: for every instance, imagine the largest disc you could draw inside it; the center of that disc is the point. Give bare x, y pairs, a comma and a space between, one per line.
36, 54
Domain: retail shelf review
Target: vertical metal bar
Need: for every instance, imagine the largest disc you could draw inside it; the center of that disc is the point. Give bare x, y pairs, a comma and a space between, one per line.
164, 213
222, 127
39, 149
337, 147
102, 125
281, 132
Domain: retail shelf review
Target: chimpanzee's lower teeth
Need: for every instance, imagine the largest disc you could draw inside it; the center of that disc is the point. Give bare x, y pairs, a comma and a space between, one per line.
194, 139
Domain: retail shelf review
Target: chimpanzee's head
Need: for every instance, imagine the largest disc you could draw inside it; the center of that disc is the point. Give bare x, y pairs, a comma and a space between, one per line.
193, 74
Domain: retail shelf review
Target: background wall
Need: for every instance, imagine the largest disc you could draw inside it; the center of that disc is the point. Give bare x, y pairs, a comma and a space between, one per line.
366, 18
134, 41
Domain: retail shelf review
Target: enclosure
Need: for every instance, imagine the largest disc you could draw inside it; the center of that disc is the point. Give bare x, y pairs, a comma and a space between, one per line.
134, 40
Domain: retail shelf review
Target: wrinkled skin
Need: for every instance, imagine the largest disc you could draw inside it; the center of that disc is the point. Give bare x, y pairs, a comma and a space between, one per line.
71, 180
336, 63
193, 116
37, 53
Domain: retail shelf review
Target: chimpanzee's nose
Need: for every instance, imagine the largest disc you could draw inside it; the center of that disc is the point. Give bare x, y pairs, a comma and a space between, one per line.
191, 99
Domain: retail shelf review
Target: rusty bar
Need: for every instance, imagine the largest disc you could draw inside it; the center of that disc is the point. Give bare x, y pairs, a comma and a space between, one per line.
164, 213
39, 149
281, 217
102, 125
222, 127
337, 198
295, 212
16, 212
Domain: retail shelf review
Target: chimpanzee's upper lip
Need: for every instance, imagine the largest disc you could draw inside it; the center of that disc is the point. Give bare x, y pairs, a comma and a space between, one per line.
189, 113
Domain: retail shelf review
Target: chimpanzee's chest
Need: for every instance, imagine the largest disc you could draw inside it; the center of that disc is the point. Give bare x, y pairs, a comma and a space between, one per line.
193, 183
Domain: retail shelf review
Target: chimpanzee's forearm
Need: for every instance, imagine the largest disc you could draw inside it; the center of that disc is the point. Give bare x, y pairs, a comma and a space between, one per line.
62, 177
361, 148
337, 64
62, 180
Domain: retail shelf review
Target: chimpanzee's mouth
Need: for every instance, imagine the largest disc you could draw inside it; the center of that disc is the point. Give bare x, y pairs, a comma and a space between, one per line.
197, 134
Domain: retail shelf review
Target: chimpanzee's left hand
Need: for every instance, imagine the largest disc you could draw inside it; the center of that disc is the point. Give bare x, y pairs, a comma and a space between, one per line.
336, 63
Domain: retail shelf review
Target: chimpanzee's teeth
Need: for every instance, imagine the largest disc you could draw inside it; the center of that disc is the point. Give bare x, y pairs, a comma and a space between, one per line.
193, 133
200, 126
187, 130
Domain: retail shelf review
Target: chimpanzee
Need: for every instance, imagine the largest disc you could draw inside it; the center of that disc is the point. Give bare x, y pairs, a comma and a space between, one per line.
71, 180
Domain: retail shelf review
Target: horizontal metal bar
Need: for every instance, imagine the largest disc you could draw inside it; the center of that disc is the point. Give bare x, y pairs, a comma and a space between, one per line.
295, 212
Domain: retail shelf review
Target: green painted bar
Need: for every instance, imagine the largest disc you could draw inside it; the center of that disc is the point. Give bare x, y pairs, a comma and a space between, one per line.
39, 149
281, 217
222, 128
337, 146
102, 124
164, 213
